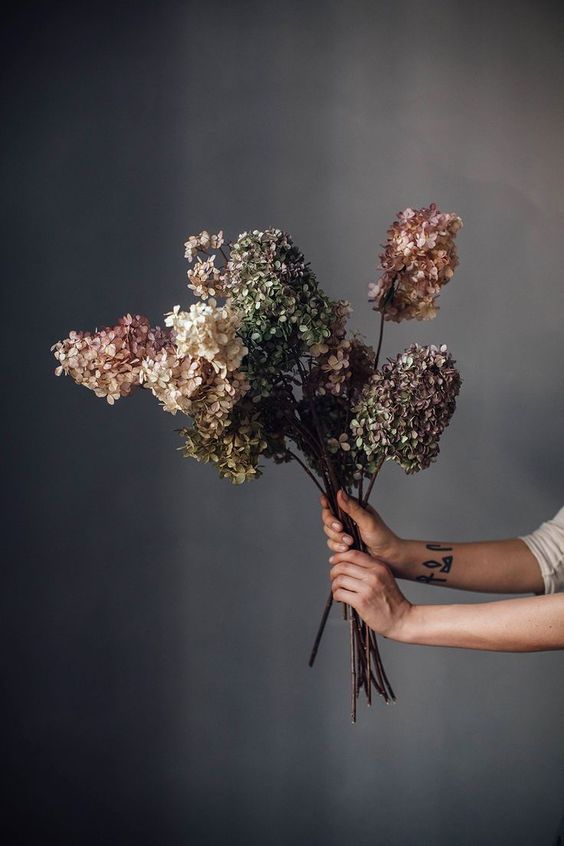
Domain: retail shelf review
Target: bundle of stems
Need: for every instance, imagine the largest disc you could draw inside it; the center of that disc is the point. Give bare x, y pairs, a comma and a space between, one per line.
366, 666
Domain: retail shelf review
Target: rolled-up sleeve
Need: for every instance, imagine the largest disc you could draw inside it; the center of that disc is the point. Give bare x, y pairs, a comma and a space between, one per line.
547, 545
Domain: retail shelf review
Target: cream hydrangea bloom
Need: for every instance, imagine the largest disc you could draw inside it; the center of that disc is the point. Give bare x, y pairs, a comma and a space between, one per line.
208, 331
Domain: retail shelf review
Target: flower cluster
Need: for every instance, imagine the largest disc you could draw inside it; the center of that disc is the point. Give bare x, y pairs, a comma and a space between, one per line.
282, 308
419, 258
194, 366
233, 367
331, 355
341, 365
208, 331
110, 360
200, 375
207, 280
406, 406
202, 243
235, 451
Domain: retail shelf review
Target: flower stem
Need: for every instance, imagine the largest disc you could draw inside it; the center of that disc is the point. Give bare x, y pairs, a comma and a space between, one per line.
307, 470
321, 629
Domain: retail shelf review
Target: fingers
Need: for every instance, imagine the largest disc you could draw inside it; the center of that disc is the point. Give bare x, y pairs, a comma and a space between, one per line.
346, 569
330, 520
350, 506
354, 556
337, 541
350, 597
347, 582
327, 515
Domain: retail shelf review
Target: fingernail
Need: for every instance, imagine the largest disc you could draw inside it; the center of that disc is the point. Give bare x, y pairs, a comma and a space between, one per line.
347, 539
336, 526
341, 548
344, 495
331, 559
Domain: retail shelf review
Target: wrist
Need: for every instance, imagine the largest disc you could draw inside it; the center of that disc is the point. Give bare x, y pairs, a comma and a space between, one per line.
409, 626
400, 558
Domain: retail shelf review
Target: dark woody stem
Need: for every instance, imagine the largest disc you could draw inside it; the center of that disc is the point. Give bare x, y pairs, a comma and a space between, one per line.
306, 469
387, 300
321, 629
376, 360
353, 665
364, 502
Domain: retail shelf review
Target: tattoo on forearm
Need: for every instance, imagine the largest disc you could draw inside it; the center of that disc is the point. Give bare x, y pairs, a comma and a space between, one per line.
442, 566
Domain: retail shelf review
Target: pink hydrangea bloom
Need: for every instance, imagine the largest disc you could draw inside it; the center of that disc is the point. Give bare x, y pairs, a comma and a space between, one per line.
419, 258
109, 361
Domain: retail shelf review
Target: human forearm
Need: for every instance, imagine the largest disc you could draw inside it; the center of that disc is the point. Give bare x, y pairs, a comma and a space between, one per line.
500, 566
527, 624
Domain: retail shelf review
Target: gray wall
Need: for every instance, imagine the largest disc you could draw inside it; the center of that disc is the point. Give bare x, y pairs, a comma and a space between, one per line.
159, 620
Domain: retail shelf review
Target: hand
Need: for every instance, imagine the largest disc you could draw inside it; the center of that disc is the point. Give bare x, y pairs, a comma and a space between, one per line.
370, 588
380, 541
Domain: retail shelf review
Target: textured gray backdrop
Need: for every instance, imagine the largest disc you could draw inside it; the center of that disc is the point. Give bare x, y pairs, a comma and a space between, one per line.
159, 620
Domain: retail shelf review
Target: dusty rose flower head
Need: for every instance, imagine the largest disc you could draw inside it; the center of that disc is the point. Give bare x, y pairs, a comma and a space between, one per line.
419, 258
109, 361
406, 406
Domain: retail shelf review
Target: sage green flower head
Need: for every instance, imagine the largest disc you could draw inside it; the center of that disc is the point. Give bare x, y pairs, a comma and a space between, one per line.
283, 310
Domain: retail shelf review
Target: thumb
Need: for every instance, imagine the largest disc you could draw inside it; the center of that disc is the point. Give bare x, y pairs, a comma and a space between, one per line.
352, 507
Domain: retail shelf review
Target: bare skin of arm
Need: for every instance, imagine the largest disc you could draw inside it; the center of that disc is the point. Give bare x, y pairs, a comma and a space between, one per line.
497, 566
368, 583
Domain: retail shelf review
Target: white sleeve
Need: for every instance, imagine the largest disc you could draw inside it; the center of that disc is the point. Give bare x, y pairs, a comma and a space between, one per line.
547, 545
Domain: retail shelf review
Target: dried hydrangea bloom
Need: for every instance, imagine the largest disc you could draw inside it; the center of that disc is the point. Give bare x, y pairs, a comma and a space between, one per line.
198, 372
175, 380
213, 405
342, 364
235, 452
340, 443
202, 243
283, 310
207, 280
405, 407
419, 258
331, 366
361, 362
109, 361
208, 331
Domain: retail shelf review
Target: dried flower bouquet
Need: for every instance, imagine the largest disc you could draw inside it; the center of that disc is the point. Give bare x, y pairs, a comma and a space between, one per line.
264, 367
